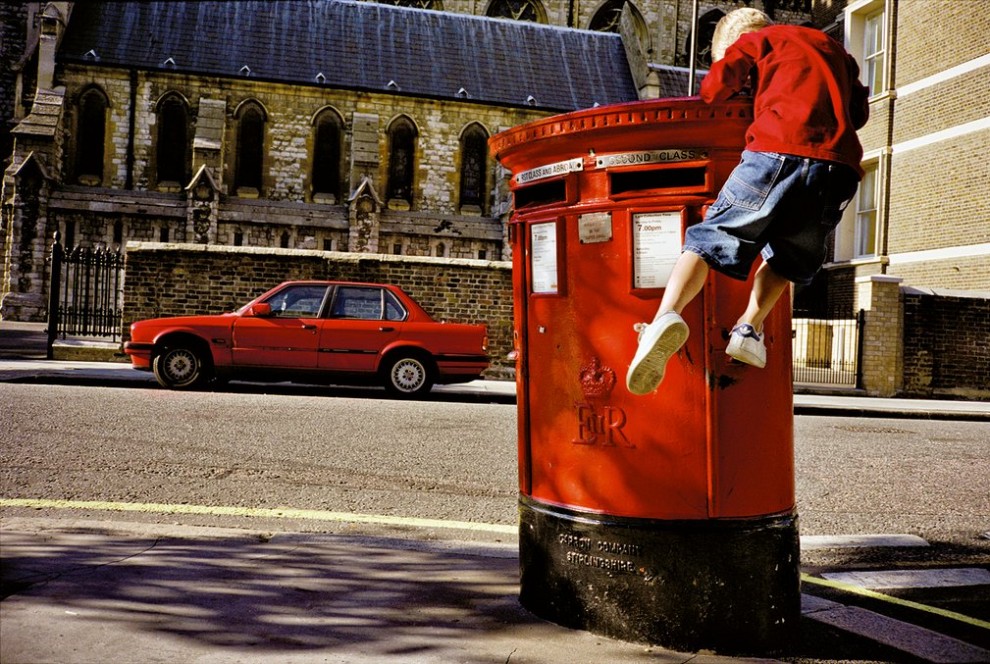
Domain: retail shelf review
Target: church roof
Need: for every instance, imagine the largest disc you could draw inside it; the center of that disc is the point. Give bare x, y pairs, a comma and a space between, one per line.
674, 80
358, 46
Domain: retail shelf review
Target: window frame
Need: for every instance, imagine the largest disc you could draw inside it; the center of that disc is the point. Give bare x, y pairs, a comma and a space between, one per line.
473, 146
873, 63
299, 287
385, 299
91, 147
403, 136
517, 10
849, 241
874, 52
171, 148
864, 217
250, 175
433, 5
706, 30
327, 164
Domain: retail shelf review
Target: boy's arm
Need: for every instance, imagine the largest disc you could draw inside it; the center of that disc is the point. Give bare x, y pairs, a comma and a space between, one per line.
730, 75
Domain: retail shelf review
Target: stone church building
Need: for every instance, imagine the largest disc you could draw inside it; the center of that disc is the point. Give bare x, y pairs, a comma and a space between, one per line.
323, 124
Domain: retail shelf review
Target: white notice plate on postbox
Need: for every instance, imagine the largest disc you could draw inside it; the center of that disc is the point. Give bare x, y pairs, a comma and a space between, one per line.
543, 257
595, 227
656, 246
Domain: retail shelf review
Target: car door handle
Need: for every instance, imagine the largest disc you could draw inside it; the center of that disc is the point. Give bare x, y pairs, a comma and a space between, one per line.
306, 326
384, 328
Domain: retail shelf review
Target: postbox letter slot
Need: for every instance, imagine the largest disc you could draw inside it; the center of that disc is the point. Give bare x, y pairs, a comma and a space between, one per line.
544, 193
623, 182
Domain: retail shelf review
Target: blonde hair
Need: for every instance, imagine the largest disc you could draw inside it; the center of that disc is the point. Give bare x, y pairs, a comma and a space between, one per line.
734, 25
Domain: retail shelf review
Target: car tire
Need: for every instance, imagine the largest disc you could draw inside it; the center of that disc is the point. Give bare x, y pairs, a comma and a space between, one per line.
407, 376
179, 368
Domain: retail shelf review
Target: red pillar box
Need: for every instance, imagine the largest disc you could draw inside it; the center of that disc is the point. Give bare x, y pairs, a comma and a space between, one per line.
667, 518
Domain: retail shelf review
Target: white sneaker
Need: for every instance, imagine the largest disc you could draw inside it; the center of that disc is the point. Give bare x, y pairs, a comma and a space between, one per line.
658, 342
747, 346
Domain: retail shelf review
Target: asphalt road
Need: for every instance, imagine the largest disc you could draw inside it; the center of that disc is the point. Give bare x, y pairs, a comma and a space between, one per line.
428, 459
435, 459
454, 462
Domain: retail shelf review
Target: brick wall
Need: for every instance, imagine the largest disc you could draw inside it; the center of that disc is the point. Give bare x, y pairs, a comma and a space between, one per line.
945, 345
959, 273
932, 143
934, 35
172, 280
943, 208
882, 361
950, 170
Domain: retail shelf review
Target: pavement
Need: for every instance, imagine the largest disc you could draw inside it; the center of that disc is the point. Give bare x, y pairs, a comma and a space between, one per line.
121, 374
80, 590
78, 585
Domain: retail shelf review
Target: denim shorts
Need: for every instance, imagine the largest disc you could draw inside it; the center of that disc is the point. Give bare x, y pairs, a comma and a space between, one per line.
779, 205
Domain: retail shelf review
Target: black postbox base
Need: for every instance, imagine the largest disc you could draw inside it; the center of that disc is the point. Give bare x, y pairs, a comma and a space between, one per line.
731, 586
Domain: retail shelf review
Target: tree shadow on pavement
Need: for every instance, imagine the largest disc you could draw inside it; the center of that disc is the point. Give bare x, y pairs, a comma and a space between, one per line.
89, 593
346, 598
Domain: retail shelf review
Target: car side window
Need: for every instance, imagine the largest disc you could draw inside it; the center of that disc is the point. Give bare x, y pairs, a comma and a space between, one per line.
393, 308
358, 302
298, 301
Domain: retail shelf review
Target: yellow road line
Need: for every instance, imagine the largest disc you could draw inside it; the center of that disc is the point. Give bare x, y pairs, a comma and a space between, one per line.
256, 512
865, 592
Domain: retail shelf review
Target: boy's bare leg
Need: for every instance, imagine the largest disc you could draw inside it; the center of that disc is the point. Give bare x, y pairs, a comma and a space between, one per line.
768, 286
686, 281
659, 340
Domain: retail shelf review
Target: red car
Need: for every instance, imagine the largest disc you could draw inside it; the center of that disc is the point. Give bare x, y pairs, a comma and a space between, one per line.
314, 331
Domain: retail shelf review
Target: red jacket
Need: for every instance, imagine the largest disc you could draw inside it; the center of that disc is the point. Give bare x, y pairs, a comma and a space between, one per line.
808, 100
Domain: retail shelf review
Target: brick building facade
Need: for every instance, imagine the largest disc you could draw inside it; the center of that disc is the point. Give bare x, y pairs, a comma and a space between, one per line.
918, 224
325, 125
920, 214
130, 123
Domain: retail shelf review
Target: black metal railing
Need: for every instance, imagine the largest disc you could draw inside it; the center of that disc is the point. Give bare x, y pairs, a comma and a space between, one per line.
85, 292
827, 351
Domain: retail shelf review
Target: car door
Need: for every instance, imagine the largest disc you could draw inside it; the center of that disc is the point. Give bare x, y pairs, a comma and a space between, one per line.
289, 337
361, 321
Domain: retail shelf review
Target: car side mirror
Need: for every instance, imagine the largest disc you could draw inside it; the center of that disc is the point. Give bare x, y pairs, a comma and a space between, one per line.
261, 310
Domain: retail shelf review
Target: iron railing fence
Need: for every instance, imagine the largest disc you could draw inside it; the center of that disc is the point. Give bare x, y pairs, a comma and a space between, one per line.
85, 292
827, 351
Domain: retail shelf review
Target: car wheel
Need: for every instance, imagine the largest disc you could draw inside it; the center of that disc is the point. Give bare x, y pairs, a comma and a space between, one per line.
408, 376
178, 368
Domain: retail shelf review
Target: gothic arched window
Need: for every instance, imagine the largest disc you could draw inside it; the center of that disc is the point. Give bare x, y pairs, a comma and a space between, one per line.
517, 10
172, 146
250, 148
435, 5
92, 131
606, 19
326, 156
118, 233
401, 160
706, 30
474, 167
